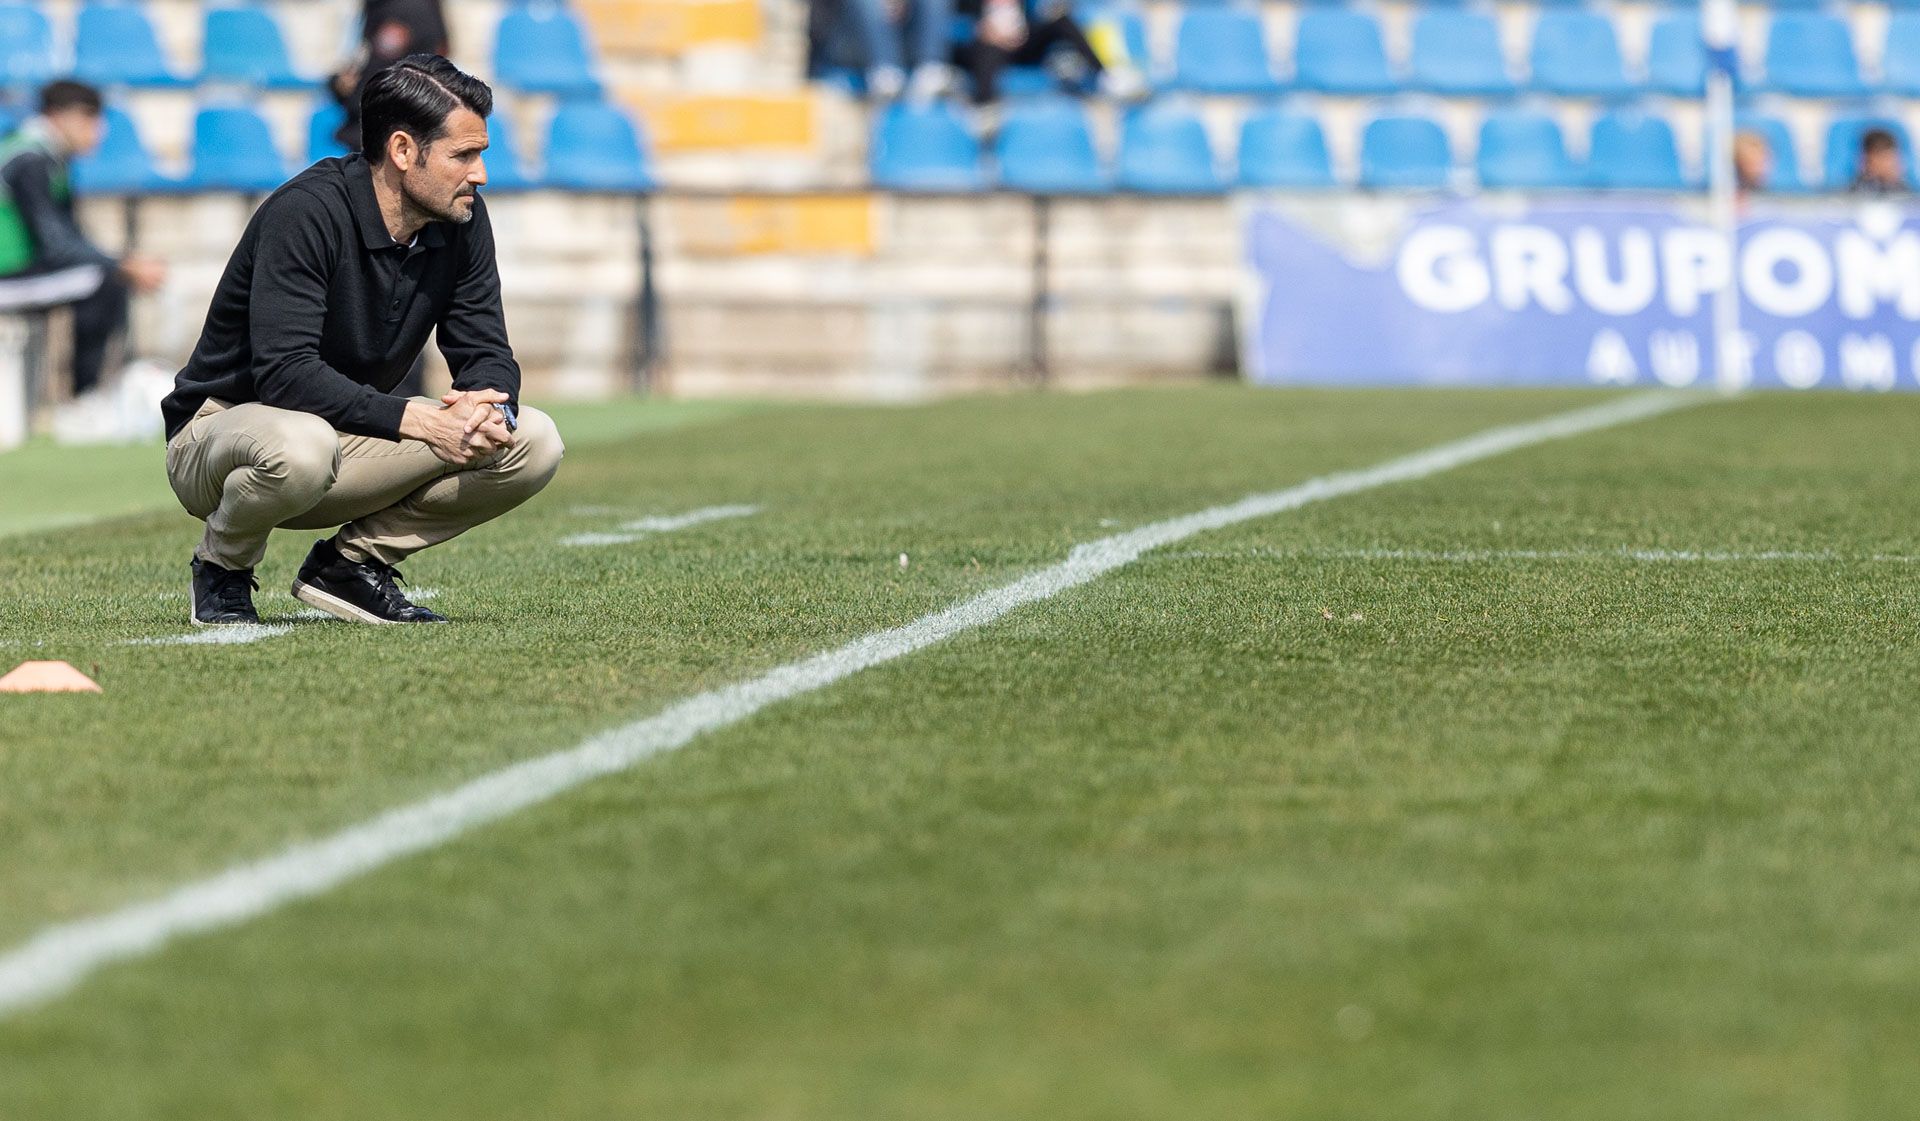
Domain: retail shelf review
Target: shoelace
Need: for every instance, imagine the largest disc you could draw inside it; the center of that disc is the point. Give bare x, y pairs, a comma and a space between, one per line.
235, 592
387, 581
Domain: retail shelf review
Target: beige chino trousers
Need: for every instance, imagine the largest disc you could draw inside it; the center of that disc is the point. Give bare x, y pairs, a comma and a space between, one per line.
249, 469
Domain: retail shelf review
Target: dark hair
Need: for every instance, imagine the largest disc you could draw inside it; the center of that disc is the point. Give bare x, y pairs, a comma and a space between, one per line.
415, 96
1877, 140
57, 97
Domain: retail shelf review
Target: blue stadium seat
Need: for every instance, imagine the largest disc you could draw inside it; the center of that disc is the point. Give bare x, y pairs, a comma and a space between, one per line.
1676, 57
26, 46
233, 151
1046, 148
1902, 57
122, 165
1459, 53
1786, 161
1634, 151
1164, 150
1222, 50
541, 48
1576, 53
326, 120
925, 148
9, 120
1027, 81
1339, 51
1524, 150
1404, 151
1283, 149
506, 160
593, 146
114, 44
1810, 54
245, 45
1843, 147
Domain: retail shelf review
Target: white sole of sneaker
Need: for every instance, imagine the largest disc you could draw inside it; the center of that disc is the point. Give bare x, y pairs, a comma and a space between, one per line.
336, 607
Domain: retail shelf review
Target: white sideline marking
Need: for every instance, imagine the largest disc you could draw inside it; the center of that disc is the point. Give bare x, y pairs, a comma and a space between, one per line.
240, 634
1484, 556
61, 956
646, 527
234, 634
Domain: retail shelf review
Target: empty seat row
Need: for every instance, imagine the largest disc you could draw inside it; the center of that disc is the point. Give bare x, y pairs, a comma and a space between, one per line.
540, 48
590, 146
1046, 147
1223, 50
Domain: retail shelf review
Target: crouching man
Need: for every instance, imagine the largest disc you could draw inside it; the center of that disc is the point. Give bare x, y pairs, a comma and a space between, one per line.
283, 419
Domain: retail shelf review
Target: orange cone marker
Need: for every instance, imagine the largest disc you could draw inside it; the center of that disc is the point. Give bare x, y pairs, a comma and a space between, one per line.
47, 677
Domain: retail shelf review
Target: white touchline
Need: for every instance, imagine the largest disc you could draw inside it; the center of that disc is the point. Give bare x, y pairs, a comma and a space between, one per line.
1486, 556
240, 634
61, 956
646, 527
233, 634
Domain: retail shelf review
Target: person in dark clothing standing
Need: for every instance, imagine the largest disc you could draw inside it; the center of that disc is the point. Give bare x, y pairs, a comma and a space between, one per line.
284, 416
46, 260
390, 30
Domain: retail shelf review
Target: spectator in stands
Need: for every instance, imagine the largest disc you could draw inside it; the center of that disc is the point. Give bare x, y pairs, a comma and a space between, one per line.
1752, 162
905, 42
1007, 34
46, 260
390, 30
1883, 169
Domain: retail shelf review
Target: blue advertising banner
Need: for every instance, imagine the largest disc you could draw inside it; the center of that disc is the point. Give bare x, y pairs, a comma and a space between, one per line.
1581, 291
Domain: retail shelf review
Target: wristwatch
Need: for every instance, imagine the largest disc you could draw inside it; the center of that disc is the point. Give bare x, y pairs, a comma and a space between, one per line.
507, 414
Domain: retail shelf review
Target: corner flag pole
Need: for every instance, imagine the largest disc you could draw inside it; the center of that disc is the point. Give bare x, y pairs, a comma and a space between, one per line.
1720, 28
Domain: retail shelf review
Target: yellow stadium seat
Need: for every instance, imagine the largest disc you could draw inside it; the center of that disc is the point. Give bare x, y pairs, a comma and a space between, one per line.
670, 27
799, 225
724, 122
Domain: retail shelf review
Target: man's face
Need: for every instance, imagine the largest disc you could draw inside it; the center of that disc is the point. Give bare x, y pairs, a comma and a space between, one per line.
1884, 165
79, 130
443, 178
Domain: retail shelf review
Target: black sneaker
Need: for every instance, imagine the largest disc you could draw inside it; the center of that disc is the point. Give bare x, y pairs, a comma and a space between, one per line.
358, 593
222, 597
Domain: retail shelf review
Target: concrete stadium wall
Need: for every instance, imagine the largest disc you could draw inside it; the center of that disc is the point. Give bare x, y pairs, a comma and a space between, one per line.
853, 295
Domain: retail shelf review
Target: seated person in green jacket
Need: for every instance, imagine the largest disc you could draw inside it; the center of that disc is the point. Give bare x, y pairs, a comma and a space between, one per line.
45, 259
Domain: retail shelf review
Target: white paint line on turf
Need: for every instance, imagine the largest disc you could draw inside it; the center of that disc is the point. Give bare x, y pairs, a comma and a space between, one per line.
235, 634
1494, 556
241, 634
646, 527
60, 957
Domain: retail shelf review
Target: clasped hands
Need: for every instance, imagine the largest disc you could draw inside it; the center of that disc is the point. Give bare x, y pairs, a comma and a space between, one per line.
464, 427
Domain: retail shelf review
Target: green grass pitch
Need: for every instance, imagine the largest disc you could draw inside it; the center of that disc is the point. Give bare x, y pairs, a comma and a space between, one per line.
1574, 784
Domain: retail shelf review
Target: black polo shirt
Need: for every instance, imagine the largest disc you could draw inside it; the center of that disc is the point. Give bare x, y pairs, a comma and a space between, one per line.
320, 311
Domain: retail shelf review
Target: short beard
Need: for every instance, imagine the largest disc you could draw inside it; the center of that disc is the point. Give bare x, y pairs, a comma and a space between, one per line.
453, 213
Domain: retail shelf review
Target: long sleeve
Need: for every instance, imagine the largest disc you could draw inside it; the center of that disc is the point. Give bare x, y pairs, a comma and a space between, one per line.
291, 269
473, 330
58, 242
